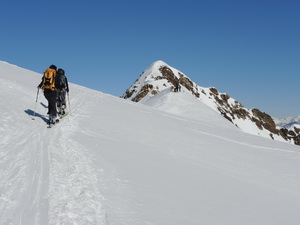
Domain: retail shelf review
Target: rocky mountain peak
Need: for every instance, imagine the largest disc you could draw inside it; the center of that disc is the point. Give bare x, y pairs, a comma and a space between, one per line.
160, 77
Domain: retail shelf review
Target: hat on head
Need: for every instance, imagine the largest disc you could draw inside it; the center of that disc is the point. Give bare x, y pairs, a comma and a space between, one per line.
61, 71
52, 67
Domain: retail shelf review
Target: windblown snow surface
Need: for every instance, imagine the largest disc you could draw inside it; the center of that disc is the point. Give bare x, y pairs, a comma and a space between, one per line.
115, 162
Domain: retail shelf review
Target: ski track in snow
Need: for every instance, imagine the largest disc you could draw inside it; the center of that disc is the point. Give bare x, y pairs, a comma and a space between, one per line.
49, 176
241, 143
74, 194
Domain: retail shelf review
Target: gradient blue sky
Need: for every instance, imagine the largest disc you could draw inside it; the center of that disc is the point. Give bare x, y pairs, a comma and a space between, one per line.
249, 49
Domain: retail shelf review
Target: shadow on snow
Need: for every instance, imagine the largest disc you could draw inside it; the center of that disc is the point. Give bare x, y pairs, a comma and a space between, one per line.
33, 114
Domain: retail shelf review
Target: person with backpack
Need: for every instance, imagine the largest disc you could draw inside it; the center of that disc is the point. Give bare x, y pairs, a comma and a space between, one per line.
48, 85
62, 87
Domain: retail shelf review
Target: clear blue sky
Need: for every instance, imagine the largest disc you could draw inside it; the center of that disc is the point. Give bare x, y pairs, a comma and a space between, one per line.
249, 49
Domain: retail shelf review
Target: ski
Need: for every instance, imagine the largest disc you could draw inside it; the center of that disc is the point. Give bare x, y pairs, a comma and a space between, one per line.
57, 120
52, 124
64, 115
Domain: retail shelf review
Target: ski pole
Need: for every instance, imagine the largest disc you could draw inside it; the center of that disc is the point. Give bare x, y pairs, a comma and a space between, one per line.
69, 103
37, 96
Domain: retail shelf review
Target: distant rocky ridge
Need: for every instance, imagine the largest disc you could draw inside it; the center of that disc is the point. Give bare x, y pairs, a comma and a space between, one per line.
160, 76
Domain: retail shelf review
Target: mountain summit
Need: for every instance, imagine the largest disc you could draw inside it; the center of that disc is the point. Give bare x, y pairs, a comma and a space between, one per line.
160, 78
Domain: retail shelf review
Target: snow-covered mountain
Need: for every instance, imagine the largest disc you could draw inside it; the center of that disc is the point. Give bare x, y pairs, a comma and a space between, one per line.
160, 79
288, 122
115, 162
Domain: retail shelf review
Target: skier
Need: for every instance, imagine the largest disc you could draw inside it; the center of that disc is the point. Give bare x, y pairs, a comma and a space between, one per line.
177, 88
48, 85
62, 87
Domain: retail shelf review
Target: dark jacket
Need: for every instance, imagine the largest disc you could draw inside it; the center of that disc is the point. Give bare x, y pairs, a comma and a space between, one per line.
58, 84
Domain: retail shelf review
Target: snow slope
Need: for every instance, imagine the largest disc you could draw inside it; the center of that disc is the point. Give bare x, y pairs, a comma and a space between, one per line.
115, 162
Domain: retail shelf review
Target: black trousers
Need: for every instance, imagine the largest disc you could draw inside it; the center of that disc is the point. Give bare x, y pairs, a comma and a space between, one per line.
51, 97
61, 98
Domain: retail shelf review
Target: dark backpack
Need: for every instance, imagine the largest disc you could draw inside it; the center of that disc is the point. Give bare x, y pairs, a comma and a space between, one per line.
62, 80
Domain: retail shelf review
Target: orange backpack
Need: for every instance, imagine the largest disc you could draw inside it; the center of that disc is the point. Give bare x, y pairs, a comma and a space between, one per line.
49, 79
